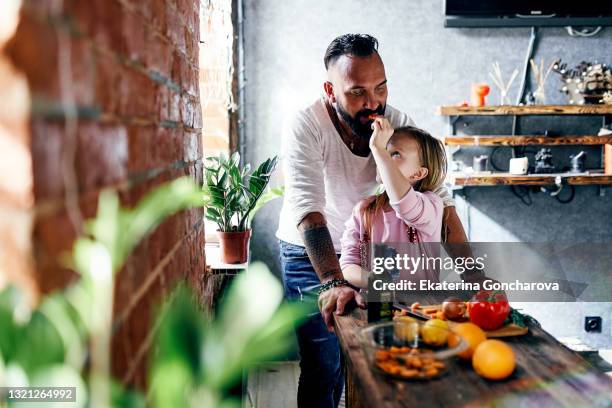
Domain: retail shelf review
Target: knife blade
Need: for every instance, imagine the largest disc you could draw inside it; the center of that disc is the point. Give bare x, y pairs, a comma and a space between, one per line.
411, 312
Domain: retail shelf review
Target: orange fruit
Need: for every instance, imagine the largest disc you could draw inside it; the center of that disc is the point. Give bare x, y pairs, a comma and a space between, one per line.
494, 359
472, 334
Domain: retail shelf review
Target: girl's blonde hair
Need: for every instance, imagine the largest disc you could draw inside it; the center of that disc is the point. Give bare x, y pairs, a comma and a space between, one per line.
432, 156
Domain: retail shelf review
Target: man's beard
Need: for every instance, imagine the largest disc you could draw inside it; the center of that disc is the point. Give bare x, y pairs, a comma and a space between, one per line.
362, 130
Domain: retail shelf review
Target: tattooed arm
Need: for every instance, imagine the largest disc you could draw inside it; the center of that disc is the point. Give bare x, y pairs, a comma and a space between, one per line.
320, 249
319, 246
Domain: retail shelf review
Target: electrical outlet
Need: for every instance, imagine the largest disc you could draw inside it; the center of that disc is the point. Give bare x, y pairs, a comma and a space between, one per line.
592, 324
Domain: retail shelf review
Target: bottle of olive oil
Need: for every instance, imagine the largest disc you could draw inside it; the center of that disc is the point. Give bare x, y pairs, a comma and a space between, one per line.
380, 302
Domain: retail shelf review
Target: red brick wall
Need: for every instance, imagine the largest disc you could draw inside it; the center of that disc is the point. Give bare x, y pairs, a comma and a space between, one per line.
16, 197
134, 74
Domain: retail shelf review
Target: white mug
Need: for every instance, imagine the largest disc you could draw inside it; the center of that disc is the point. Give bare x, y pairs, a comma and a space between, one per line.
519, 165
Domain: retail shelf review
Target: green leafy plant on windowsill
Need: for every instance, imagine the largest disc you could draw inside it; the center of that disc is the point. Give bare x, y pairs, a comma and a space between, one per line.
233, 194
266, 197
65, 340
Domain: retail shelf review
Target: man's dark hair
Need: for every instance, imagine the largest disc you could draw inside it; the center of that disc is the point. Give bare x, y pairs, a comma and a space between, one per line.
359, 45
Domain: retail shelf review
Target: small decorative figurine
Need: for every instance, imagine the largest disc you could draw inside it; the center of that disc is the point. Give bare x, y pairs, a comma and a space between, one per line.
587, 82
578, 162
479, 163
543, 161
496, 76
479, 91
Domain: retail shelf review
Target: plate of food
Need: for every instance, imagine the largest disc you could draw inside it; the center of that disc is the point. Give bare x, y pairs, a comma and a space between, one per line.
488, 310
408, 349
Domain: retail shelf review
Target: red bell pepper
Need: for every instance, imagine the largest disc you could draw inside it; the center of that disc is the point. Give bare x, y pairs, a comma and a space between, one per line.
489, 310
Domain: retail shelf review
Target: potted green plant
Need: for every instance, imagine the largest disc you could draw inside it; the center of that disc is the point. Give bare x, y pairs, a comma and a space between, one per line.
233, 193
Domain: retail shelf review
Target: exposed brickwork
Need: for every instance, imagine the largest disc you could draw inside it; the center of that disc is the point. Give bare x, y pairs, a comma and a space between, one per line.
16, 198
133, 70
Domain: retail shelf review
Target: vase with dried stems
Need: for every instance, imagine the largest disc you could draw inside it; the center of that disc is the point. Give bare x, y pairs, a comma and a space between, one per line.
540, 79
498, 80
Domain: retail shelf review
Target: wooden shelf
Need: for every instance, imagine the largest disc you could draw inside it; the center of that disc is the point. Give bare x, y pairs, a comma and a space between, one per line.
526, 140
496, 179
526, 110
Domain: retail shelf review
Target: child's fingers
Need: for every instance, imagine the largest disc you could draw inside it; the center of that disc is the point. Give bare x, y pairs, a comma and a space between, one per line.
381, 123
386, 125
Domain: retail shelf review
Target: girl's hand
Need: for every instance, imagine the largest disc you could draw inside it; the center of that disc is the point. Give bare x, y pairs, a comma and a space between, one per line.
382, 133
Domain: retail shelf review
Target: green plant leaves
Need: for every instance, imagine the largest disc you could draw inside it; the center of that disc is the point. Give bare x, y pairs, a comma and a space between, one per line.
194, 361
11, 301
257, 184
269, 195
125, 398
197, 363
177, 364
234, 192
120, 229
38, 334
60, 376
24, 332
69, 326
252, 325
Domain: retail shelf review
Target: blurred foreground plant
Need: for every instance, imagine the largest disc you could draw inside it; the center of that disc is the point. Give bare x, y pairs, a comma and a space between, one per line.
65, 340
197, 363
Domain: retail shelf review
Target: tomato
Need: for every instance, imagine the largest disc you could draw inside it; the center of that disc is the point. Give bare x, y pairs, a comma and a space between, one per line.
489, 310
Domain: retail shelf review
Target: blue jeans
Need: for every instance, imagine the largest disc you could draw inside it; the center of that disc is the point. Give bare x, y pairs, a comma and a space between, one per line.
321, 362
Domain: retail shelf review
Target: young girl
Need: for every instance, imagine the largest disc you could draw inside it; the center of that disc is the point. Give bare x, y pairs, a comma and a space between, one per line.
411, 164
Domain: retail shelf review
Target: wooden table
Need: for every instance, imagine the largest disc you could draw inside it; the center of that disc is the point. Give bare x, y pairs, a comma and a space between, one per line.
547, 374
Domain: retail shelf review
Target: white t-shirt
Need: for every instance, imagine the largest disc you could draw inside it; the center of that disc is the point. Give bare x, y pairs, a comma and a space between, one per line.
322, 175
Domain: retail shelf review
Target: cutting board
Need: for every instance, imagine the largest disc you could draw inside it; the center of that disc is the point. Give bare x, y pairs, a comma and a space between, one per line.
508, 330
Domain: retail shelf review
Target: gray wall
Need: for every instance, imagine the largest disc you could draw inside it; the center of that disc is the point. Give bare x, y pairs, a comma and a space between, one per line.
427, 66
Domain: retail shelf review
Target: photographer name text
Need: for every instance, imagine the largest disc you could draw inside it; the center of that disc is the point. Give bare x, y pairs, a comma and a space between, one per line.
488, 284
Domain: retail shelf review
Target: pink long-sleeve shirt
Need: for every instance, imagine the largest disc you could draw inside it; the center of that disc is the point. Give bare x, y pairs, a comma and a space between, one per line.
421, 211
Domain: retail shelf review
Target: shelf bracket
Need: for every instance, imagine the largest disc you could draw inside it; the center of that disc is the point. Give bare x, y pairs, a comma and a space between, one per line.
515, 125
452, 128
606, 121
452, 150
452, 125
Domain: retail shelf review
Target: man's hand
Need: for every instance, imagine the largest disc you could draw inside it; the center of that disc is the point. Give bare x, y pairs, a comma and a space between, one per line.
382, 133
320, 249
336, 300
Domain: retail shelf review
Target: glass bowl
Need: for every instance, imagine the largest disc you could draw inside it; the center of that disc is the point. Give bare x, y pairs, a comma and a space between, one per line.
397, 349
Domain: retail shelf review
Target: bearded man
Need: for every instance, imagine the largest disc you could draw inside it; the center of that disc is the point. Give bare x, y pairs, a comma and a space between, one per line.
328, 168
